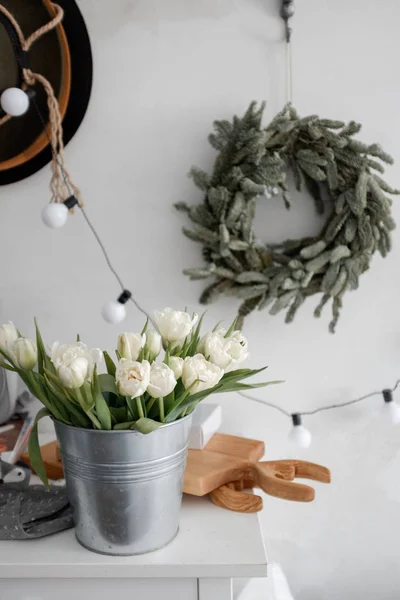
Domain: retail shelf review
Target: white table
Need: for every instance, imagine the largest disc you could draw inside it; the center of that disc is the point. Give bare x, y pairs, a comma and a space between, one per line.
213, 546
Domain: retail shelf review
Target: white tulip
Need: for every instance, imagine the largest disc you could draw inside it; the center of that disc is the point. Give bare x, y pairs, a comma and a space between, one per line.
162, 380
176, 364
200, 373
25, 353
62, 355
74, 374
154, 343
213, 346
132, 377
8, 335
238, 347
225, 352
130, 345
174, 325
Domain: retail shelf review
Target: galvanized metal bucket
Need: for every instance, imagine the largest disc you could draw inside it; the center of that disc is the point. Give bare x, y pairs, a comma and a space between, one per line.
125, 487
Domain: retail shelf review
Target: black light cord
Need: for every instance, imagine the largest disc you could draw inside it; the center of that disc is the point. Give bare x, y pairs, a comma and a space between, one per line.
322, 408
108, 261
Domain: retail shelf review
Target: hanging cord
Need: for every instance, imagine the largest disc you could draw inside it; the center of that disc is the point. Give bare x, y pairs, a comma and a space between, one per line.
289, 72
60, 176
287, 12
321, 408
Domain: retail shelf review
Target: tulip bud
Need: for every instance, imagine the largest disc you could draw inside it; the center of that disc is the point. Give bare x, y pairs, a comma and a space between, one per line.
73, 375
8, 335
174, 325
25, 353
199, 374
130, 345
162, 380
176, 364
132, 378
153, 344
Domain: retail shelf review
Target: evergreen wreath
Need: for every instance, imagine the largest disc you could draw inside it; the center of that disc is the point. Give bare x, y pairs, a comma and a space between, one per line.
252, 162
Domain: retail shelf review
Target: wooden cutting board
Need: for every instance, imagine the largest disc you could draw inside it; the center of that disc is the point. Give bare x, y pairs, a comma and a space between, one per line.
51, 458
228, 465
211, 467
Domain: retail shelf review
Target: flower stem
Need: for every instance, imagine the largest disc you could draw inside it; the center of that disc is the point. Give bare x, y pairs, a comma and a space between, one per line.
140, 408
150, 404
161, 407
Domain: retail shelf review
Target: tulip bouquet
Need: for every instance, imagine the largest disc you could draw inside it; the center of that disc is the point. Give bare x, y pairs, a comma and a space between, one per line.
141, 389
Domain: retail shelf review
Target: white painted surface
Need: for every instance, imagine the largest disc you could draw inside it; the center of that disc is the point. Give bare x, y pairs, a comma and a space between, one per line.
273, 587
81, 589
164, 69
211, 543
215, 589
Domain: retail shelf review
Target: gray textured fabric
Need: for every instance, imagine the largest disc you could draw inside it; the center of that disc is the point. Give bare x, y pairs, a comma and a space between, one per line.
33, 512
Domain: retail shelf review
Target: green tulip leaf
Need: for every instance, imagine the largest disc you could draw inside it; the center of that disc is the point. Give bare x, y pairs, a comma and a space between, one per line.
118, 414
35, 455
107, 383
43, 360
102, 410
6, 366
145, 425
124, 426
240, 374
110, 365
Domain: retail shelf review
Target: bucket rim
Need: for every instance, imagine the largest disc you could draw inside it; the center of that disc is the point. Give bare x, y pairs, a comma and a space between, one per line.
115, 431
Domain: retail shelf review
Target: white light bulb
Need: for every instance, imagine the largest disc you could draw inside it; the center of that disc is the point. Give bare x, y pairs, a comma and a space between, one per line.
113, 312
14, 102
55, 215
391, 411
300, 436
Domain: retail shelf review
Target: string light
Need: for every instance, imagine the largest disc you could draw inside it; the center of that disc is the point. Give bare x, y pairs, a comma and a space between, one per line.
55, 214
14, 101
114, 311
390, 409
299, 434
302, 436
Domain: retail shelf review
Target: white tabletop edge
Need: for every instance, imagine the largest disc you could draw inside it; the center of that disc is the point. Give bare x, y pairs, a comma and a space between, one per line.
65, 571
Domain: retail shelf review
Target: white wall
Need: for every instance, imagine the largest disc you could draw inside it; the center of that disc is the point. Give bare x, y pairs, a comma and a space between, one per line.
164, 70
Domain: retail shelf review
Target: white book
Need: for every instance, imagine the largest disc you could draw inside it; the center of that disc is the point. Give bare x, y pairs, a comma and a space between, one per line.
207, 420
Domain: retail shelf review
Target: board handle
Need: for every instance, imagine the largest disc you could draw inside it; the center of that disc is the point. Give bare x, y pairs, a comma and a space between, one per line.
226, 496
276, 478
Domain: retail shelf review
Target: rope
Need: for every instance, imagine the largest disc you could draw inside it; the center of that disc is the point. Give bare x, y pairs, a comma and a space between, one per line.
287, 12
46, 28
289, 72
